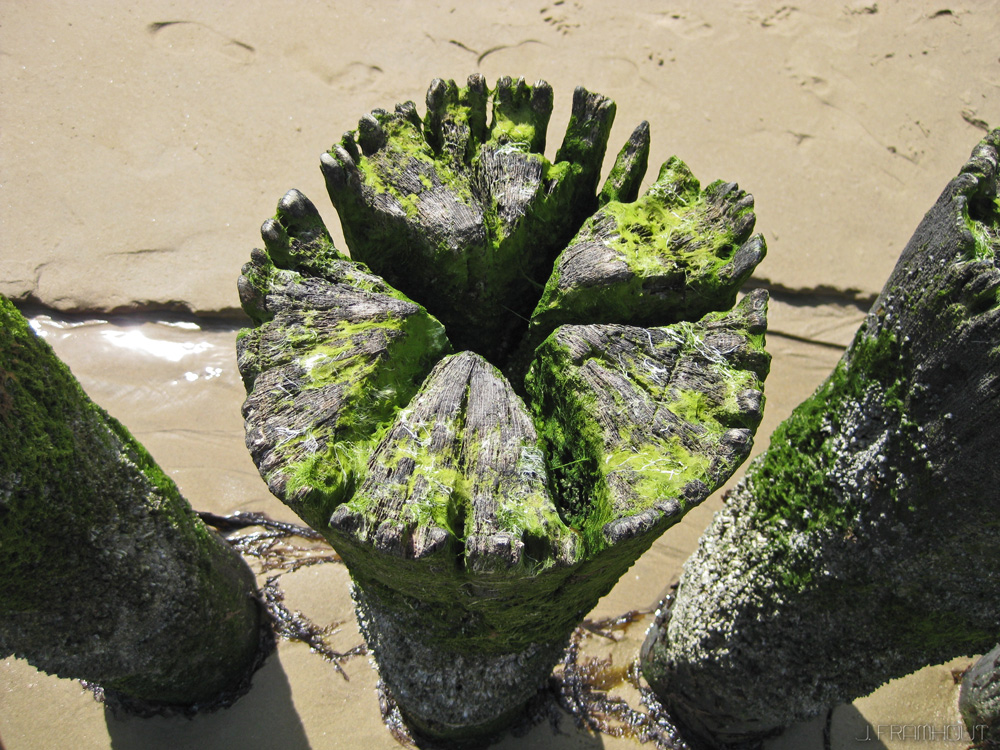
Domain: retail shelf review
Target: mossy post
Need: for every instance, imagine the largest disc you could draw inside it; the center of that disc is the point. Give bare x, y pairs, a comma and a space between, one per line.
108, 575
979, 701
865, 543
483, 491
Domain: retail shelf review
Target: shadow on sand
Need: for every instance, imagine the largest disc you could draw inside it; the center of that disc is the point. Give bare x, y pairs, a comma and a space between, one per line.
263, 719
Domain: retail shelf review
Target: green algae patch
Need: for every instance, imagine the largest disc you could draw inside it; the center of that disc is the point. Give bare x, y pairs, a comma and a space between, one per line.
642, 423
372, 369
463, 216
798, 483
457, 506
460, 468
109, 574
336, 393
38, 398
676, 253
521, 115
336, 354
982, 217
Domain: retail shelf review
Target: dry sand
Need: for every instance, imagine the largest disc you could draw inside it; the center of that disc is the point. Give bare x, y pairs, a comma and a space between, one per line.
141, 147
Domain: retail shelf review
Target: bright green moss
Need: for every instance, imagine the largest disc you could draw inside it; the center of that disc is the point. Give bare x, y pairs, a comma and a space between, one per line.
443, 474
661, 469
985, 228
671, 245
480, 276
514, 131
325, 465
318, 480
601, 473
405, 144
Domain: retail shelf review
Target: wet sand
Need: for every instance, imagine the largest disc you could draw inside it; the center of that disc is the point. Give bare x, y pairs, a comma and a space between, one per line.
140, 148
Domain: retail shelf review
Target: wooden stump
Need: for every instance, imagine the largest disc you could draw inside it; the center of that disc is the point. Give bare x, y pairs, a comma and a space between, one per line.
864, 543
108, 575
481, 511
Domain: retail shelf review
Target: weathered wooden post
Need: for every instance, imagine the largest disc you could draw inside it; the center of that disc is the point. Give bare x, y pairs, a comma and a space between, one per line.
864, 544
482, 514
108, 575
979, 701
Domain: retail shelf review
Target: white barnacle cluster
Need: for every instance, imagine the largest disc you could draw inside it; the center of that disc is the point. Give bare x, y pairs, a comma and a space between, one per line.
861, 443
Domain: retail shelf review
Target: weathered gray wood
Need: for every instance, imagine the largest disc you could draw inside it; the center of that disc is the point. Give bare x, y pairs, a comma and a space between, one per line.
108, 575
480, 528
864, 543
644, 423
455, 545
335, 354
475, 554
626, 175
465, 217
461, 462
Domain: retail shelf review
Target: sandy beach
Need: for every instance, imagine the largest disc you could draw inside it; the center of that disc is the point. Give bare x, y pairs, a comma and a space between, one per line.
142, 146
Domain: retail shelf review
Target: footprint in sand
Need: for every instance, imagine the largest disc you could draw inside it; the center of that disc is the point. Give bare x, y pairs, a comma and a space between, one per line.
784, 20
559, 15
684, 25
186, 37
814, 84
350, 76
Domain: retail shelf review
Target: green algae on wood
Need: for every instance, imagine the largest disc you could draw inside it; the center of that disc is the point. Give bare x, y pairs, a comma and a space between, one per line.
336, 353
463, 511
459, 554
676, 253
461, 466
109, 576
644, 423
456, 532
467, 217
864, 543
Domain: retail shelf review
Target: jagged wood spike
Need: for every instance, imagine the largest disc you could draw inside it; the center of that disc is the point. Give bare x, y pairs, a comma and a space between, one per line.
108, 575
864, 543
626, 175
521, 114
455, 123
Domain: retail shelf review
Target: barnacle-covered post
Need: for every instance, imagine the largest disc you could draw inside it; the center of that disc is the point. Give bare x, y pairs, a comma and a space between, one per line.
979, 700
108, 575
864, 543
484, 494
